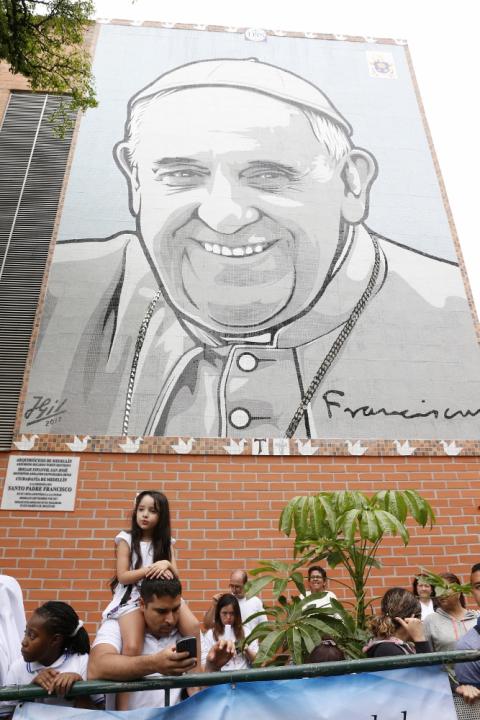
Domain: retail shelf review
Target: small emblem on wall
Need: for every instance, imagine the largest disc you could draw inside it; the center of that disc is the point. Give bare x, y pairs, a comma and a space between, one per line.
381, 65
255, 35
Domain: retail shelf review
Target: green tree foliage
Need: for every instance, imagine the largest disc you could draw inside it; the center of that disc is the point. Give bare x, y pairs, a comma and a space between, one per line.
43, 41
340, 528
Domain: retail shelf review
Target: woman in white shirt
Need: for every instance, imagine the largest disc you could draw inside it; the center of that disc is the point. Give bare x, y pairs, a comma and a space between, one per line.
425, 593
228, 626
317, 583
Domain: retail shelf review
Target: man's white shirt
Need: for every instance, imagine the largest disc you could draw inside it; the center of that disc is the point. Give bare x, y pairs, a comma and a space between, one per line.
250, 606
109, 633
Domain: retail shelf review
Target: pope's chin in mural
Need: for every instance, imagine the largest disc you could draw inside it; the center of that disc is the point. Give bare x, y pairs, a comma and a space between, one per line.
251, 300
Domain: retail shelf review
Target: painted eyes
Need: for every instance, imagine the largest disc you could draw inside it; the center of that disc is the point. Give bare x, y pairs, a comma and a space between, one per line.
269, 180
266, 179
189, 177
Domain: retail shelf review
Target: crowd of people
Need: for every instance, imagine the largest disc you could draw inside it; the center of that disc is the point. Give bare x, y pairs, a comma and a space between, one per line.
148, 629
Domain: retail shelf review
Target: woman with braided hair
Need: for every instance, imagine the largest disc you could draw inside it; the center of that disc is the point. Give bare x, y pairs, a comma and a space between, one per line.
55, 652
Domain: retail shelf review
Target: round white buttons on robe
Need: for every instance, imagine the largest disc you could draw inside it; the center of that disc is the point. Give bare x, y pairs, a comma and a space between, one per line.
240, 418
247, 362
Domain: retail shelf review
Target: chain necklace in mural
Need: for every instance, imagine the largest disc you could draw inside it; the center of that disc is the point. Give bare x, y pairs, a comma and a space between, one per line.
319, 375
337, 345
138, 348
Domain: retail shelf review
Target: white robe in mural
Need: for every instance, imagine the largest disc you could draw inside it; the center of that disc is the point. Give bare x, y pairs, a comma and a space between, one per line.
114, 357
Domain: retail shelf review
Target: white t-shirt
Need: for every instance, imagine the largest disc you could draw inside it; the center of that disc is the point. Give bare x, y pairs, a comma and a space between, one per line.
23, 673
114, 608
109, 633
427, 609
12, 624
323, 601
238, 662
250, 606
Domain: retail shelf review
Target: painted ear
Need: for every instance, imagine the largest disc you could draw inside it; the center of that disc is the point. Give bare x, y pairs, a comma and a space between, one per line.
121, 154
358, 173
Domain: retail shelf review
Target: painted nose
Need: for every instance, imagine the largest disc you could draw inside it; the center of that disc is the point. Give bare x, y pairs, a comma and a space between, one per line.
223, 212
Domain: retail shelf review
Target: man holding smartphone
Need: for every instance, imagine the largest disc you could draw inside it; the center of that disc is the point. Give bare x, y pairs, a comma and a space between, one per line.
160, 602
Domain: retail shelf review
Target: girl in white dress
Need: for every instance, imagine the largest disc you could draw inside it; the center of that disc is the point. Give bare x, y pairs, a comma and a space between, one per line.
146, 551
55, 652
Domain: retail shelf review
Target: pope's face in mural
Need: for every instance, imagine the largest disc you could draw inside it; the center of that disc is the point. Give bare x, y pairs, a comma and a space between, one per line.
240, 205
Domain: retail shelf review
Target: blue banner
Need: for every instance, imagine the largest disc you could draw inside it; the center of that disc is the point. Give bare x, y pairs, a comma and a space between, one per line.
410, 694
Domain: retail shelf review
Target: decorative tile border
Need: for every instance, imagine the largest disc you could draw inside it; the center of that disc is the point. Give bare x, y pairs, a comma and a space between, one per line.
243, 446
244, 29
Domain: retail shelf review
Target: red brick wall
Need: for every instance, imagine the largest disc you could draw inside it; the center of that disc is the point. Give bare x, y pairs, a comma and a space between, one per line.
224, 514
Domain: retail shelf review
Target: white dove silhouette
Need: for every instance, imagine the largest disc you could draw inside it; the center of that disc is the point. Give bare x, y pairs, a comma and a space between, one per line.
451, 448
26, 443
356, 448
235, 448
404, 448
78, 445
306, 448
131, 446
182, 447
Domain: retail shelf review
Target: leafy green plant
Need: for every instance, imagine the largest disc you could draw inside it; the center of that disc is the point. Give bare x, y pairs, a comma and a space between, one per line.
441, 585
44, 41
344, 528
294, 628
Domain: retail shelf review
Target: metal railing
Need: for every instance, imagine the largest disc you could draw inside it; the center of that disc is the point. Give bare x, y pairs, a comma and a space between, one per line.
167, 683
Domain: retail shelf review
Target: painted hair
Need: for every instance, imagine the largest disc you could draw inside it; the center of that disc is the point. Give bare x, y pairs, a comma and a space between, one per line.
161, 534
218, 626
397, 602
327, 132
61, 619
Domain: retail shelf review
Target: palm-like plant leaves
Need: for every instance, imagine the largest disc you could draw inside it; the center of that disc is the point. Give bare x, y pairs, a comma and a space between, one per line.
343, 528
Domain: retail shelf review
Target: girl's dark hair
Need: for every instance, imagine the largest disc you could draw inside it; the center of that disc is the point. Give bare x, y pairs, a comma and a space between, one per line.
451, 578
415, 582
396, 602
161, 536
218, 626
61, 619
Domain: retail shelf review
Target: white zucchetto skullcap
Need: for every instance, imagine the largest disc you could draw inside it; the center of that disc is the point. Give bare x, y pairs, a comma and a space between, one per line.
246, 74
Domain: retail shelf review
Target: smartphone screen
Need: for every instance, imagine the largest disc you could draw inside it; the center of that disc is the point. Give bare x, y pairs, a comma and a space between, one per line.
188, 644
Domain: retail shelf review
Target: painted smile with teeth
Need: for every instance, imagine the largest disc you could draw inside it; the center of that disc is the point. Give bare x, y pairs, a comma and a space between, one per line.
243, 251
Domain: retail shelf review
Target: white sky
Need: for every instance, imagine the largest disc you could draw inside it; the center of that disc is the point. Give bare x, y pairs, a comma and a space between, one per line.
443, 40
